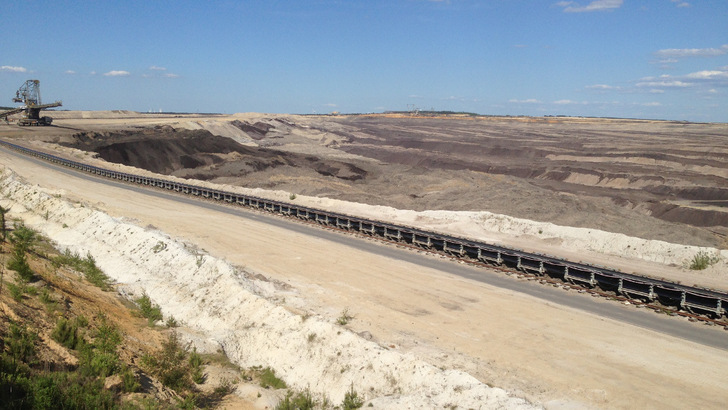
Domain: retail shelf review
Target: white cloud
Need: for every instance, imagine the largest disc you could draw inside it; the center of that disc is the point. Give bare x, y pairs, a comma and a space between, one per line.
117, 73
528, 101
70, 72
13, 69
602, 87
332, 105
651, 104
708, 75
692, 52
157, 68
596, 5
680, 3
93, 73
664, 83
170, 75
705, 78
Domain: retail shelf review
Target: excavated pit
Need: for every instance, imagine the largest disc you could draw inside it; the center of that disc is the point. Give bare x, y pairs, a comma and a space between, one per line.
655, 180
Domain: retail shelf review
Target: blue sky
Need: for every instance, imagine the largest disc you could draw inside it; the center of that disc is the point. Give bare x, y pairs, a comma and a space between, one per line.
664, 59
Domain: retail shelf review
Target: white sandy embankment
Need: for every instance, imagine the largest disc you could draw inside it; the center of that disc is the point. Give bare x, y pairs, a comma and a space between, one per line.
210, 296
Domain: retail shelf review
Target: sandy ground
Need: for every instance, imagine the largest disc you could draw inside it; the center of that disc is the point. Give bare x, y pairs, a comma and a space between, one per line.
557, 357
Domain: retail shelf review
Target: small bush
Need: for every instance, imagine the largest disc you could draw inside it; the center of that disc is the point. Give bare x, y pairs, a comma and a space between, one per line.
20, 343
171, 322
299, 401
170, 364
86, 266
148, 309
66, 333
345, 317
129, 381
16, 291
19, 263
292, 197
352, 400
702, 260
23, 238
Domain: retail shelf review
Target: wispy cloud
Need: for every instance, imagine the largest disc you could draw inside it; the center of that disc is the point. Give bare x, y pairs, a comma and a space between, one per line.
170, 75
117, 73
70, 72
569, 102
602, 87
528, 101
157, 68
680, 3
704, 78
675, 53
596, 5
13, 69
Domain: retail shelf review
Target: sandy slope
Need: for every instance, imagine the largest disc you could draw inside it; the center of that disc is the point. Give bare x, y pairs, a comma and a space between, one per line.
548, 354
213, 297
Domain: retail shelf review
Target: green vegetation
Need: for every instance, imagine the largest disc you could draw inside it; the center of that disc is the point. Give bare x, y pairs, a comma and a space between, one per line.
3, 223
268, 379
24, 385
345, 317
148, 309
86, 265
298, 401
175, 366
66, 333
702, 260
352, 400
23, 240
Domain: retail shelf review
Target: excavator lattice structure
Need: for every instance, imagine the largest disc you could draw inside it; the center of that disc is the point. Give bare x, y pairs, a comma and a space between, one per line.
29, 95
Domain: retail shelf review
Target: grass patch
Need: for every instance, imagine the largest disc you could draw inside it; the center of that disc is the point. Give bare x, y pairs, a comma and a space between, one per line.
268, 378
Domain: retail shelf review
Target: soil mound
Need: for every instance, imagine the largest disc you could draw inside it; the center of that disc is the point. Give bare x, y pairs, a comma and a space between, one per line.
201, 155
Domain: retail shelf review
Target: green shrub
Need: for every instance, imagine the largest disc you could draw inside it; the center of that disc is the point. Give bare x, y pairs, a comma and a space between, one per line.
299, 401
23, 238
86, 266
345, 317
129, 382
66, 333
16, 291
20, 343
702, 260
170, 364
148, 309
352, 400
19, 263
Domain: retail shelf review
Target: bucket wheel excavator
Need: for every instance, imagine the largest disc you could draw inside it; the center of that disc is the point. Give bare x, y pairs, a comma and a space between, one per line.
29, 95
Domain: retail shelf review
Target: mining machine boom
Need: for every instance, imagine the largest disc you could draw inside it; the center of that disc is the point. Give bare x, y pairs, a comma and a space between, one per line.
29, 95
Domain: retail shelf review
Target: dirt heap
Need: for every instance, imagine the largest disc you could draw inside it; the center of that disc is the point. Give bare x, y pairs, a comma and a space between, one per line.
201, 155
